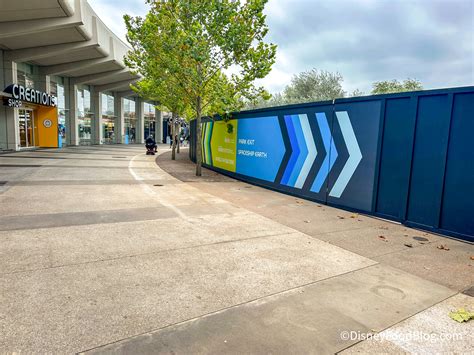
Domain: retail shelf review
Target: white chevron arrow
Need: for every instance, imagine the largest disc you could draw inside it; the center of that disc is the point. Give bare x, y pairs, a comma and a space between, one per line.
312, 152
355, 155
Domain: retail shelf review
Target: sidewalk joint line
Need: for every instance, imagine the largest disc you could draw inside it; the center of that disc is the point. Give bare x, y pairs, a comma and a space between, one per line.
230, 307
143, 254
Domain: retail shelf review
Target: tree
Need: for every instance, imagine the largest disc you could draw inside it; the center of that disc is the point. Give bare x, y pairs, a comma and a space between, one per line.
307, 86
163, 92
356, 93
314, 85
275, 100
394, 86
193, 44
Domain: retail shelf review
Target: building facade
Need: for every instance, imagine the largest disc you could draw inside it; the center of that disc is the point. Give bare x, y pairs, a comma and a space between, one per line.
63, 81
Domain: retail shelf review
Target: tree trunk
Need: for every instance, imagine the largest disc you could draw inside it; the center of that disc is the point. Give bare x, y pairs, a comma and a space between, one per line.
198, 138
177, 131
173, 132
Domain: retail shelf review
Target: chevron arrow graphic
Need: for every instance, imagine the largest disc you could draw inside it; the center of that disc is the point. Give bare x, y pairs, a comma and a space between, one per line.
300, 148
285, 180
312, 151
206, 142
355, 155
303, 151
331, 152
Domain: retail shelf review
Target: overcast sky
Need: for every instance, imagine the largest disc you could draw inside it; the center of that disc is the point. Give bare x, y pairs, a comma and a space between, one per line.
364, 40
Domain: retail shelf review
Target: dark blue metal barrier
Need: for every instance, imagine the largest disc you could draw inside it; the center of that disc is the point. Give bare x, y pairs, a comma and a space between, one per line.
408, 157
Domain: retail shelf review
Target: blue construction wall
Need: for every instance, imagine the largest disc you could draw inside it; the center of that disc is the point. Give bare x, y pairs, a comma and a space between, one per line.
408, 157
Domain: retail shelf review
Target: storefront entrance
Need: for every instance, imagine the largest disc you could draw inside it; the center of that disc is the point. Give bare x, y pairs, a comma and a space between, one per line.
36, 117
85, 130
150, 129
108, 126
130, 131
26, 128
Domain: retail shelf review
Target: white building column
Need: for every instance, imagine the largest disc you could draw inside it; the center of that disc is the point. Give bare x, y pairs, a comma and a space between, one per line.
72, 121
9, 133
3, 109
97, 120
119, 119
158, 126
140, 108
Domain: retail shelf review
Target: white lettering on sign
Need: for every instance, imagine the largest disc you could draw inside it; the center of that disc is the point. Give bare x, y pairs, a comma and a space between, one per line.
250, 153
225, 150
246, 141
224, 160
12, 103
20, 93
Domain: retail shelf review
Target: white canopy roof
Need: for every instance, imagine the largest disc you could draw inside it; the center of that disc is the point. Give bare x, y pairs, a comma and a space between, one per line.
67, 38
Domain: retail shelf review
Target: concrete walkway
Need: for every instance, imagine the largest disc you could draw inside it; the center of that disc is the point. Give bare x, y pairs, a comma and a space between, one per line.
103, 250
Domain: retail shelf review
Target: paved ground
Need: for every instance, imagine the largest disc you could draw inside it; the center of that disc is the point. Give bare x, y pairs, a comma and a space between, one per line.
373, 238
103, 250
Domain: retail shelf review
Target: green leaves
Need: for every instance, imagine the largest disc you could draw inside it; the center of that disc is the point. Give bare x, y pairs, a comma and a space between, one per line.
314, 85
394, 86
186, 49
319, 85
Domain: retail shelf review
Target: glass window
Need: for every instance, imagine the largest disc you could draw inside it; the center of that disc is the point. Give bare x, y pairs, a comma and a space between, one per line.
54, 82
149, 121
57, 89
61, 112
80, 103
87, 101
130, 121
108, 119
25, 75
84, 116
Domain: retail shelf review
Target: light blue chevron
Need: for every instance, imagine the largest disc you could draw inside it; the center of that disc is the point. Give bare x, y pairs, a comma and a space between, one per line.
331, 152
312, 151
355, 155
303, 150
